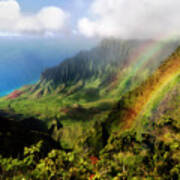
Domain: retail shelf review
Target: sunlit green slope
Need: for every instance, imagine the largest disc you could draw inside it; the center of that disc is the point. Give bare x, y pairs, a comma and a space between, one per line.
141, 107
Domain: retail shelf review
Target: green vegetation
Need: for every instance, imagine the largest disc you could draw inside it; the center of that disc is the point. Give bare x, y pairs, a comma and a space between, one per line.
124, 157
98, 120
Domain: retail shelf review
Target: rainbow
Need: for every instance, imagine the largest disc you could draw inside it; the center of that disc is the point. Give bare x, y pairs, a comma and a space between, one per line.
143, 56
142, 99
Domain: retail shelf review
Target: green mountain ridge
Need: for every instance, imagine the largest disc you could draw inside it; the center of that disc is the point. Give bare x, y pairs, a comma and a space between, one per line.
104, 62
124, 128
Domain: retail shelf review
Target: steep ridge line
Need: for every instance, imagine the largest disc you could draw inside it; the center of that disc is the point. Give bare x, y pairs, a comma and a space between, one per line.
165, 78
104, 62
164, 89
134, 102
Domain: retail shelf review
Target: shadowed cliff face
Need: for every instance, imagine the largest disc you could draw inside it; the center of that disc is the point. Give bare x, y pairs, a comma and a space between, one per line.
85, 64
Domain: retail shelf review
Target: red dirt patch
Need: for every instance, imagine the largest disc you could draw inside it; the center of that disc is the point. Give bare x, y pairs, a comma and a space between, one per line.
92, 176
14, 94
94, 160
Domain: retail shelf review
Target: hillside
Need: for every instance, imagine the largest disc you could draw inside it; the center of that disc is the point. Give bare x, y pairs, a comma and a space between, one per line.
144, 126
84, 88
138, 103
108, 70
134, 137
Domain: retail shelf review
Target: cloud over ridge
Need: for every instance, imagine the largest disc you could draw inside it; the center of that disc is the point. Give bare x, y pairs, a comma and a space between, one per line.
47, 20
131, 18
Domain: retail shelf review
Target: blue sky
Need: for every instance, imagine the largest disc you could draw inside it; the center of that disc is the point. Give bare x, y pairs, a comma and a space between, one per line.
78, 8
34, 6
65, 4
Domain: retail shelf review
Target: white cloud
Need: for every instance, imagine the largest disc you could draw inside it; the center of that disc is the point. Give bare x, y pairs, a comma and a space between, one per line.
47, 20
131, 18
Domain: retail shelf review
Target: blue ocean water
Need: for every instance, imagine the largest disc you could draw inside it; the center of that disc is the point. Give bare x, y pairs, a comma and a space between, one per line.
6, 92
22, 60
